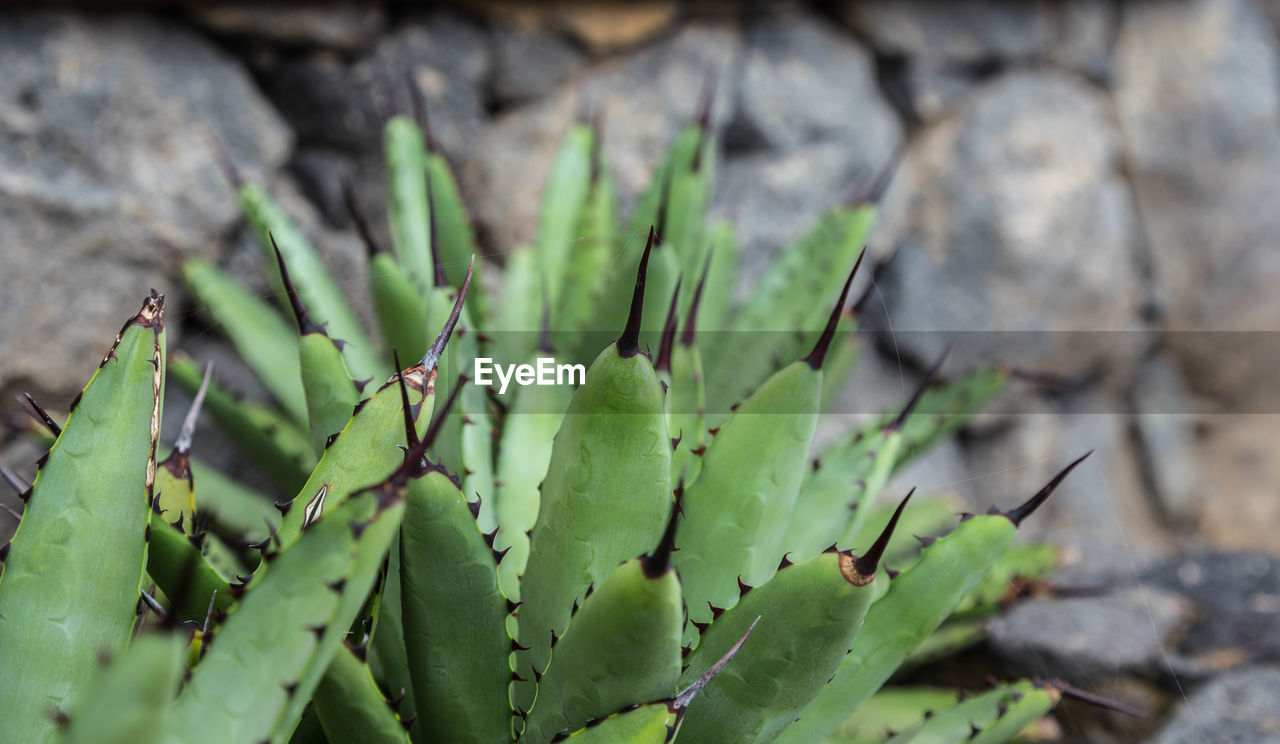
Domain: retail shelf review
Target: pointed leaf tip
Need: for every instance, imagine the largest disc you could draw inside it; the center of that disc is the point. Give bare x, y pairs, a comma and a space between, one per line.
819, 352
371, 246
691, 320
437, 347
706, 99
686, 696
1017, 514
658, 562
867, 564
1102, 702
188, 431
437, 264
930, 377
544, 329
629, 342
305, 323
410, 431
874, 190
668, 331
413, 458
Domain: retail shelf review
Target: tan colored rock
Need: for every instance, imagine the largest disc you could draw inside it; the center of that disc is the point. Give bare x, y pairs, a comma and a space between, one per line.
1237, 464
608, 27
601, 27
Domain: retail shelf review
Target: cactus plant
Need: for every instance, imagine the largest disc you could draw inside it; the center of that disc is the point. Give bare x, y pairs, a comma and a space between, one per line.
633, 560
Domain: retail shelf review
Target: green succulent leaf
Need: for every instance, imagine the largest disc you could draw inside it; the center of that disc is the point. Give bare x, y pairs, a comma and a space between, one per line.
69, 587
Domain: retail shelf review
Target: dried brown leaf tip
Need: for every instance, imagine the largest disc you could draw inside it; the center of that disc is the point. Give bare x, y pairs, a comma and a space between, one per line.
152, 313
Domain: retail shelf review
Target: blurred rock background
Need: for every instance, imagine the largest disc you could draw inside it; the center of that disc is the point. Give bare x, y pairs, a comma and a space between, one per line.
1088, 190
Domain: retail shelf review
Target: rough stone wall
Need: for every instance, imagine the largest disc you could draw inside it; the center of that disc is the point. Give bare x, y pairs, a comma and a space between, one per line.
1087, 190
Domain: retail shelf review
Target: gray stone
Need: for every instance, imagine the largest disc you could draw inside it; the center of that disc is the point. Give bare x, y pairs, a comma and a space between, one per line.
643, 99
109, 126
925, 88
1165, 425
1238, 600
344, 105
321, 173
528, 64
1198, 96
327, 24
1237, 708
772, 198
810, 130
801, 82
1011, 221
1076, 34
1080, 638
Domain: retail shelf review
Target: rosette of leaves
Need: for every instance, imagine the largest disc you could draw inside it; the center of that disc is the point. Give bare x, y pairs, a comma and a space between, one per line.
659, 554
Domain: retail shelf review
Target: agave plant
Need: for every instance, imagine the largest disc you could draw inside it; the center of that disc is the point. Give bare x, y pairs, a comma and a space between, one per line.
639, 558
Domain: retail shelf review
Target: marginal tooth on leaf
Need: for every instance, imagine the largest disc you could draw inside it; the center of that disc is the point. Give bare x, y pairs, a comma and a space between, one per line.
395, 703
629, 342
891, 573
716, 612
743, 588
511, 606
925, 541
786, 561
41, 416
1016, 515
15, 482
318, 630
